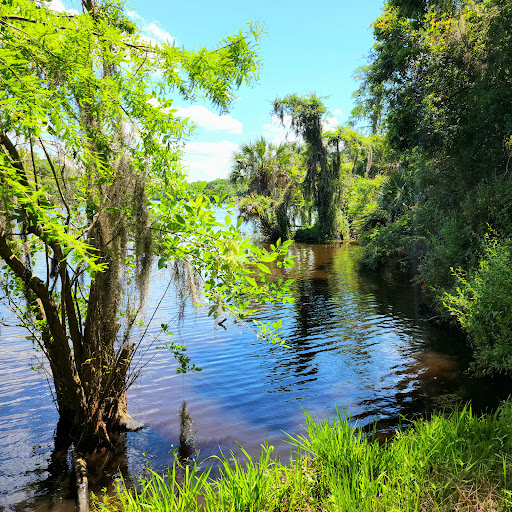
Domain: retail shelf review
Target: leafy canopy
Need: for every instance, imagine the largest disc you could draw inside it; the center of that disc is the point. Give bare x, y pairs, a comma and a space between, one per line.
87, 133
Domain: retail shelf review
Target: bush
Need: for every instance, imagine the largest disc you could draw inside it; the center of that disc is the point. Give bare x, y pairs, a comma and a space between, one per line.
310, 234
388, 244
362, 201
451, 244
481, 301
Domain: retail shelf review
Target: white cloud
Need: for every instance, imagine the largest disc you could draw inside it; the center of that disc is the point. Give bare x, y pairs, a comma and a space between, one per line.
154, 102
209, 120
151, 32
338, 112
134, 15
208, 160
330, 124
204, 118
277, 133
58, 5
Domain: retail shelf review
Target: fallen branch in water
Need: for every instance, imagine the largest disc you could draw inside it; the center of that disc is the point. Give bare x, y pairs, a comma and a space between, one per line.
82, 485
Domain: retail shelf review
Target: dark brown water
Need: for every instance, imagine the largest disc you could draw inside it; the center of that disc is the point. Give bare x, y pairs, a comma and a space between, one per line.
356, 342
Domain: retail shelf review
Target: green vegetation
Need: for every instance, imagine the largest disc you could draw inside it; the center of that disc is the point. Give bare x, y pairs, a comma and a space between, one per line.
437, 85
322, 173
221, 187
272, 174
460, 462
328, 183
481, 300
84, 142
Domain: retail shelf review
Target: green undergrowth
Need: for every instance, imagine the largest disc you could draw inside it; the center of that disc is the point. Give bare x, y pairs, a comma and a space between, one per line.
458, 462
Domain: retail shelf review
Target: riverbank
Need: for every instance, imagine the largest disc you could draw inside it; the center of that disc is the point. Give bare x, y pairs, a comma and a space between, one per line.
457, 462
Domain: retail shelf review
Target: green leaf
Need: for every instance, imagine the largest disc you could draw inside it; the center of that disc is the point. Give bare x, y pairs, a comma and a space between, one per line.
267, 258
251, 281
263, 268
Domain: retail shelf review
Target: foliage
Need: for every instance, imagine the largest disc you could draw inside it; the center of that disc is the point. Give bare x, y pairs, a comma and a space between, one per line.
329, 182
320, 183
256, 484
481, 303
437, 82
396, 196
446, 463
224, 186
269, 215
390, 244
432, 465
364, 155
362, 201
272, 176
267, 168
388, 232
87, 134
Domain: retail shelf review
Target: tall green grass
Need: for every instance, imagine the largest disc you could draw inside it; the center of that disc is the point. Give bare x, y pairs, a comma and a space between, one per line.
460, 462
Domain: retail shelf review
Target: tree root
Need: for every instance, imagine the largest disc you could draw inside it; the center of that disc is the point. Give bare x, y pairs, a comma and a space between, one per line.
128, 424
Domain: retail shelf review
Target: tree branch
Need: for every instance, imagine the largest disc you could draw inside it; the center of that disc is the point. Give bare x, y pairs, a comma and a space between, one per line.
56, 344
56, 181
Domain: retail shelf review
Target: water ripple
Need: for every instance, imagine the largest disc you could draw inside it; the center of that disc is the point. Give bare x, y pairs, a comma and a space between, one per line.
355, 342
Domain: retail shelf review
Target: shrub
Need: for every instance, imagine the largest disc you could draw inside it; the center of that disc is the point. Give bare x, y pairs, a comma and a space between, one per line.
388, 244
270, 216
481, 301
362, 201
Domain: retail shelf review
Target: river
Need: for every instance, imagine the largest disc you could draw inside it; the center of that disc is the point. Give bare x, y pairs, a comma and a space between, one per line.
356, 341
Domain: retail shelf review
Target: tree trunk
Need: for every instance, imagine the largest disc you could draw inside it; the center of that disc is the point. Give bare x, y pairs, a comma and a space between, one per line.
90, 380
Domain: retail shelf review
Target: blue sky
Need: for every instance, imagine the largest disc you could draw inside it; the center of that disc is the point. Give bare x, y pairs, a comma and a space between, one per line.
307, 48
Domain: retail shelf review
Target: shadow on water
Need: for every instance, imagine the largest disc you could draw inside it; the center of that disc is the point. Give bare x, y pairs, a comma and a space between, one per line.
356, 341
54, 489
53, 486
186, 448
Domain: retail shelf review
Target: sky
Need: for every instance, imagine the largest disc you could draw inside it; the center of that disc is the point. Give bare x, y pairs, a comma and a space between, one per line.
306, 48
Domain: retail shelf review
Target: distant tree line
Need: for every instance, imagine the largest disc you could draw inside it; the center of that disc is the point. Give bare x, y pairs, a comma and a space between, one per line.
222, 187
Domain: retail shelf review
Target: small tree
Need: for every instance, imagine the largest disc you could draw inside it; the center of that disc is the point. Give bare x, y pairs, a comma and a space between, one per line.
266, 167
87, 134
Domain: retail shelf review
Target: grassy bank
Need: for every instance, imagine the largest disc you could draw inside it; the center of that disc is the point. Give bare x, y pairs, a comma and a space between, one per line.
461, 462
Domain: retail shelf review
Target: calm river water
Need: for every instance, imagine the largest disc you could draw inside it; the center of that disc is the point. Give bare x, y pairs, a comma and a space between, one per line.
356, 341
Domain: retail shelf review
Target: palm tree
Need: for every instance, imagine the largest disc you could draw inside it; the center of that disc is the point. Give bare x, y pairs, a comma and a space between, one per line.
266, 167
270, 170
